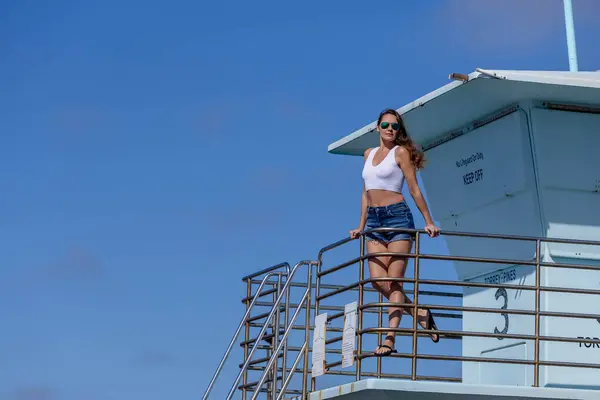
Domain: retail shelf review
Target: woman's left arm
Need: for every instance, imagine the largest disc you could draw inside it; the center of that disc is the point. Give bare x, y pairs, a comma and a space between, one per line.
410, 174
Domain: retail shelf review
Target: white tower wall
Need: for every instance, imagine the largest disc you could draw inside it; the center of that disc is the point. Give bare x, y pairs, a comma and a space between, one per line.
533, 172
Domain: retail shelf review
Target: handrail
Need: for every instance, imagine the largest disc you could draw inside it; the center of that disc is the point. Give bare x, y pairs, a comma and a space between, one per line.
243, 321
283, 291
329, 286
266, 270
543, 239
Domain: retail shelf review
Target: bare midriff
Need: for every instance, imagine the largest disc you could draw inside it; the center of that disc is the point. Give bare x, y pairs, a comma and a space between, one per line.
381, 198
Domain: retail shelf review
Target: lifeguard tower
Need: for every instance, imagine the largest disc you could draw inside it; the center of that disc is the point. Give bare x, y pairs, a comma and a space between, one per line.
513, 180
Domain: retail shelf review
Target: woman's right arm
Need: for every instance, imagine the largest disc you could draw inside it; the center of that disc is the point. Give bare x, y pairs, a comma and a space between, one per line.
363, 208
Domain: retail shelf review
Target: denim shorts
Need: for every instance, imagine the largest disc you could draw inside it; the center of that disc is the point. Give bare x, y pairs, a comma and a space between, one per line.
396, 215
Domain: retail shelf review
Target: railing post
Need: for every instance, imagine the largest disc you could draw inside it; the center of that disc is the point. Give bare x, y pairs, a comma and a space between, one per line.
379, 325
415, 308
246, 338
307, 327
275, 341
361, 277
285, 326
313, 383
536, 372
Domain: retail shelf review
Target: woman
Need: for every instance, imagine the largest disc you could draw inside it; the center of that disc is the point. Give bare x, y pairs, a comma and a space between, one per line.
385, 170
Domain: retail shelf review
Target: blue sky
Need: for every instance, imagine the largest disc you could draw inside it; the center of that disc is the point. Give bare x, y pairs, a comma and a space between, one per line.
153, 153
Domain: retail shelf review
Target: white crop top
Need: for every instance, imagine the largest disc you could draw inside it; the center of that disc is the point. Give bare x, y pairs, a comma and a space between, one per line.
385, 176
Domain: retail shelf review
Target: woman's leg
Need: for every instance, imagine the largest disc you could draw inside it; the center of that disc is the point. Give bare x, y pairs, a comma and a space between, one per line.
378, 268
397, 269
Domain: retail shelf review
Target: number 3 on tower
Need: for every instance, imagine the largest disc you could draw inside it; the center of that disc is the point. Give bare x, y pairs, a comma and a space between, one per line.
501, 292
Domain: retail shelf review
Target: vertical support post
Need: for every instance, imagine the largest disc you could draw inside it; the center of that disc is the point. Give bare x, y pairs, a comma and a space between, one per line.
275, 341
379, 325
307, 327
415, 308
313, 383
361, 277
570, 28
536, 372
286, 314
246, 338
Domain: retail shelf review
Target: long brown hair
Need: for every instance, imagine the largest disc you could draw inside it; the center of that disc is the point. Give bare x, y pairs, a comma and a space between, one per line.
403, 139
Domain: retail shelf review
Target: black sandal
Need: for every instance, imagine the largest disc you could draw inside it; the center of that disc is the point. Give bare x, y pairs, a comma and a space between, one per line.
432, 326
386, 353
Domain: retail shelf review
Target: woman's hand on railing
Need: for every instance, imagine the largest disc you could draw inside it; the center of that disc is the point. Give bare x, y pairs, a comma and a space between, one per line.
354, 233
432, 230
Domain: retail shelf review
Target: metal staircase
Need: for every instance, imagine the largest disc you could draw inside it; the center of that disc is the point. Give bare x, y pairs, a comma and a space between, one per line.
278, 282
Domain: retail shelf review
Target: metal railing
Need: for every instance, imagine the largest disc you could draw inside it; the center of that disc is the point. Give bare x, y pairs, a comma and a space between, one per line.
250, 306
277, 347
274, 368
303, 350
418, 256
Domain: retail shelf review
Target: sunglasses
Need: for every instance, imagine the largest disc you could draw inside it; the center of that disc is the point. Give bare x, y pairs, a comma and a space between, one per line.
395, 125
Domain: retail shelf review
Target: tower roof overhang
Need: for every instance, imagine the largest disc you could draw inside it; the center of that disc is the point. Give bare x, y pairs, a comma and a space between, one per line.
474, 96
